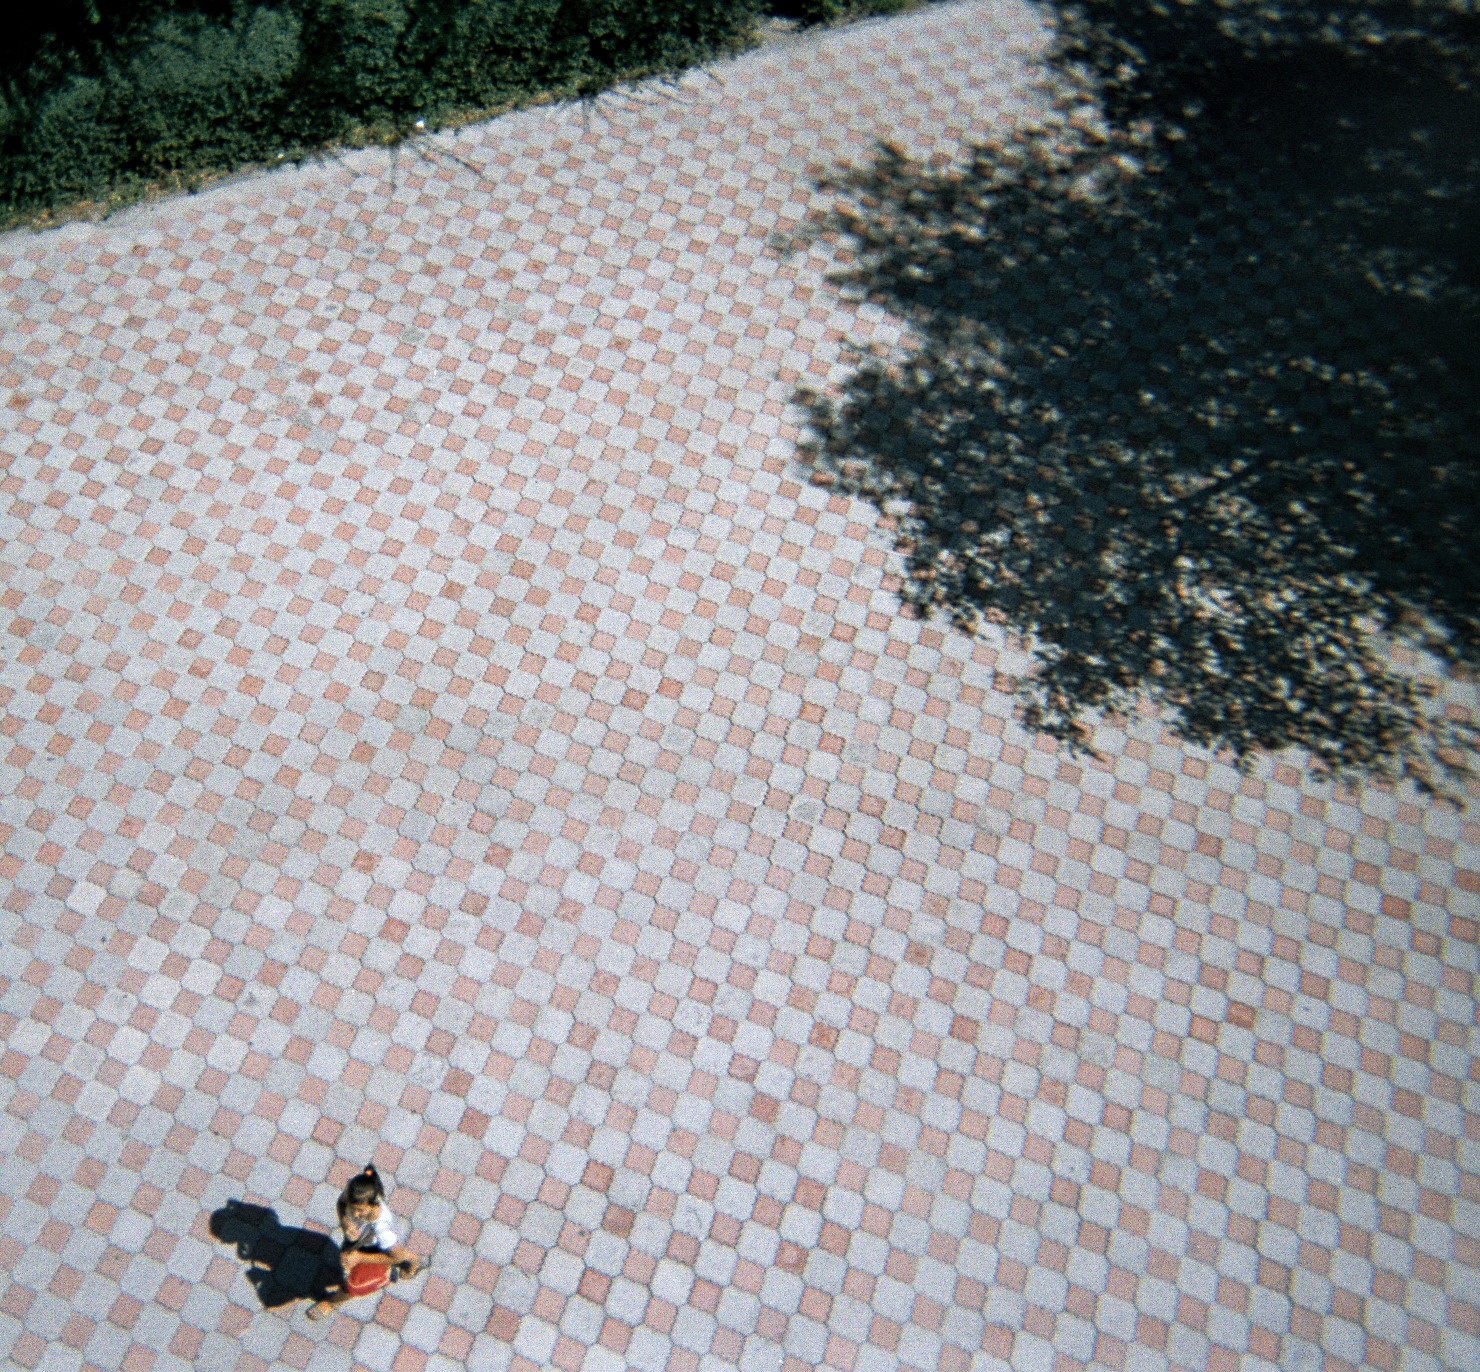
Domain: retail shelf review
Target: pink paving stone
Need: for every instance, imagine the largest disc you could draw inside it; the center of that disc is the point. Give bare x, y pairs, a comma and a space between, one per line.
443, 727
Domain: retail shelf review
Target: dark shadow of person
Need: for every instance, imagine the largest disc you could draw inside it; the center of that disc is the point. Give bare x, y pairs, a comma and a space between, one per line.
288, 1263
1193, 402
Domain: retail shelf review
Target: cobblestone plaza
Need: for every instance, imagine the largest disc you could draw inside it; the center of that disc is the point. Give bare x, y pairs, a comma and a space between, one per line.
443, 726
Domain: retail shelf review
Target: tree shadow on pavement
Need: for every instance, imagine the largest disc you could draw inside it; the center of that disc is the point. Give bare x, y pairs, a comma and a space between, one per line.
288, 1263
1192, 395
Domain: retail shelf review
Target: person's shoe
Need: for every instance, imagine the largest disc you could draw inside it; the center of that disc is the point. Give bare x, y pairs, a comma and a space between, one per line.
319, 1309
408, 1267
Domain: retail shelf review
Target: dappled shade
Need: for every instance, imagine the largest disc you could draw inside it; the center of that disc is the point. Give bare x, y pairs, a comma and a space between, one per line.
1192, 397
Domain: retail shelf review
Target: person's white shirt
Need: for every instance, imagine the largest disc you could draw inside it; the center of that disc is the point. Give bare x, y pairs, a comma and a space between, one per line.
384, 1232
379, 1233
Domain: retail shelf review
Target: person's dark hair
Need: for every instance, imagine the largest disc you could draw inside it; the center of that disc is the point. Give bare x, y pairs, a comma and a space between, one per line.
365, 1186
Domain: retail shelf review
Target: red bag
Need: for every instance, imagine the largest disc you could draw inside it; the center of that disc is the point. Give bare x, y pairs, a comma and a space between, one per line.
361, 1277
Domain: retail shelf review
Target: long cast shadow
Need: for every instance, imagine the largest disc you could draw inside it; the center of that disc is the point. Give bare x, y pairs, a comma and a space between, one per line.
1195, 398
287, 1263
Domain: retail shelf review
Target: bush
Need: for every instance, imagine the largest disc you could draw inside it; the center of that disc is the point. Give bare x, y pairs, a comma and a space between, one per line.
197, 77
99, 99
74, 147
810, 12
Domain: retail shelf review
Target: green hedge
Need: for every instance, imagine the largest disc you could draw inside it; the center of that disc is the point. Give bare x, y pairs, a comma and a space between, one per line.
100, 99
809, 12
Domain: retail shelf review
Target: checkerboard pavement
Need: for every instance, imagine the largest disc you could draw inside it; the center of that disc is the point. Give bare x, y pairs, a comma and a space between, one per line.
442, 726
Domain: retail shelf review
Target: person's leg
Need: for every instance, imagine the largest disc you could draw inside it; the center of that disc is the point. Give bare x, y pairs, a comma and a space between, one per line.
320, 1308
